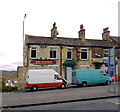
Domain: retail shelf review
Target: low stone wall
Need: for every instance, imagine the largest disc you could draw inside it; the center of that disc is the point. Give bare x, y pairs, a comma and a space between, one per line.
20, 77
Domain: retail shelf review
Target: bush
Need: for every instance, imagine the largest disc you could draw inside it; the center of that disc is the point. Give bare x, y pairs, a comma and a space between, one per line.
3, 82
8, 89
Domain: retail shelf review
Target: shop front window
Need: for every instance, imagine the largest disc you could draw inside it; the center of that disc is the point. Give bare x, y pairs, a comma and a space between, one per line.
97, 66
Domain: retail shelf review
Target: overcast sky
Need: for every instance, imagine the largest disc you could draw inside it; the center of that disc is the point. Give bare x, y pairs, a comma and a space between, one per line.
41, 14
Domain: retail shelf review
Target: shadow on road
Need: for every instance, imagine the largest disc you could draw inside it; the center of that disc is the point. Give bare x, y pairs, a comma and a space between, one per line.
69, 86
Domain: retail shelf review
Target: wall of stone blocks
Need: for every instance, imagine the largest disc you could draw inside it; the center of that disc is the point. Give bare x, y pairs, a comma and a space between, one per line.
20, 77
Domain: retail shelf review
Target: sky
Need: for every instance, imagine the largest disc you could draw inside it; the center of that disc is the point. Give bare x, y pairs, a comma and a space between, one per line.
41, 14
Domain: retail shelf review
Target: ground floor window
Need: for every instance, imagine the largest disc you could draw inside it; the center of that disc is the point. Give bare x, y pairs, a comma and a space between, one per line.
33, 67
97, 66
54, 68
84, 67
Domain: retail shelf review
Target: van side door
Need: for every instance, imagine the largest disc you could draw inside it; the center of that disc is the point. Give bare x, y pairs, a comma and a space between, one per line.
103, 77
57, 81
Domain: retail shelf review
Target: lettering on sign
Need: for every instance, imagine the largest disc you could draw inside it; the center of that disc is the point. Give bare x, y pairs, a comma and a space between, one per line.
43, 62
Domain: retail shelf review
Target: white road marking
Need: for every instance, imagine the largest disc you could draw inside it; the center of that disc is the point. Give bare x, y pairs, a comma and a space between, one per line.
115, 101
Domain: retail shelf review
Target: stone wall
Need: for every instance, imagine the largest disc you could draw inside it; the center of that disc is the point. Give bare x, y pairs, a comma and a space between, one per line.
20, 77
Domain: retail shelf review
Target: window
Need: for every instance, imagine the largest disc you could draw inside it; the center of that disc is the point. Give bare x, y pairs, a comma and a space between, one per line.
33, 52
105, 52
53, 53
33, 67
84, 67
103, 74
97, 66
69, 53
56, 77
53, 67
84, 54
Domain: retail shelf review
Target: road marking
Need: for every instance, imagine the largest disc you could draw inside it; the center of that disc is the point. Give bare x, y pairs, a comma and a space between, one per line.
115, 101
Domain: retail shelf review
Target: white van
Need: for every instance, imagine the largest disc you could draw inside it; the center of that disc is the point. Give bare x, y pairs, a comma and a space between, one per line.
44, 78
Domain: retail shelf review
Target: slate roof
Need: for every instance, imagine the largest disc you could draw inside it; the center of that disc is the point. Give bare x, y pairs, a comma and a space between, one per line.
117, 39
40, 40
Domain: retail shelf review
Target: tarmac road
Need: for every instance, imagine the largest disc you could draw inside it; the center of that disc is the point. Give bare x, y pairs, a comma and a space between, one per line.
47, 96
102, 104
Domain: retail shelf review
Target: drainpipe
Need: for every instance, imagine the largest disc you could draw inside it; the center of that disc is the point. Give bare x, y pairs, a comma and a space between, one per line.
61, 60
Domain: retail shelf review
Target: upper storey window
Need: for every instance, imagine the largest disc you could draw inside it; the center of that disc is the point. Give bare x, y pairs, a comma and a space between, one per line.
33, 52
84, 54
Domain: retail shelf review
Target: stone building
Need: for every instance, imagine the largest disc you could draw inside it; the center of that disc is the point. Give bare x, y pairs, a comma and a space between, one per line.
66, 54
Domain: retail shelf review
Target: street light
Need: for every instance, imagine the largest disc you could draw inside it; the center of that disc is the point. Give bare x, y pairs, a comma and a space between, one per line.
23, 49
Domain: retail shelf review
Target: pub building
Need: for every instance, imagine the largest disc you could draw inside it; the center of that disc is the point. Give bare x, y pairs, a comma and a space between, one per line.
65, 54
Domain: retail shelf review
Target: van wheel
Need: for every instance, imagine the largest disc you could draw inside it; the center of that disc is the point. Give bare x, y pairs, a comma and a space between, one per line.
34, 88
63, 86
84, 84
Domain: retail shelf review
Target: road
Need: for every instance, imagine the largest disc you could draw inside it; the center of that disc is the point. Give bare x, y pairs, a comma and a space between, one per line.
103, 104
56, 95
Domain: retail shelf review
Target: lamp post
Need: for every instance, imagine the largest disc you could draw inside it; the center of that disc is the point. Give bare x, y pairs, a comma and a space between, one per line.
23, 49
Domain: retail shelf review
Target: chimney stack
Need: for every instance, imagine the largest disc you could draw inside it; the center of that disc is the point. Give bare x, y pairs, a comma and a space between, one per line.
81, 33
54, 31
106, 34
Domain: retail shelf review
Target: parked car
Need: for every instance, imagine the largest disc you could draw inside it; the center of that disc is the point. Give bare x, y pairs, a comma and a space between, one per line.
86, 77
44, 78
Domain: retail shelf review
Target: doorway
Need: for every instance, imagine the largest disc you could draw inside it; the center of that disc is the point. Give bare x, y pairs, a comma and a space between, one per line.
69, 74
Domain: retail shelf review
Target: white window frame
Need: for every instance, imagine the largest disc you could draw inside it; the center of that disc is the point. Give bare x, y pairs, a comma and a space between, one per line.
106, 53
83, 51
55, 49
71, 52
31, 52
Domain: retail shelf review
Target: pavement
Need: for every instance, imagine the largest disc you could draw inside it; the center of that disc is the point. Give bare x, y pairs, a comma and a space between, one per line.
45, 97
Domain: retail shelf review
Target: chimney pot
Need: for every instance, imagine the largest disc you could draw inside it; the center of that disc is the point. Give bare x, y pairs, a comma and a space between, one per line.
106, 29
81, 33
81, 26
106, 34
54, 31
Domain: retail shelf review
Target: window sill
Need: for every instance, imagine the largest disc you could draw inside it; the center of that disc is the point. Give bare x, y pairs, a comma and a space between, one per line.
53, 59
69, 59
84, 60
106, 57
33, 58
